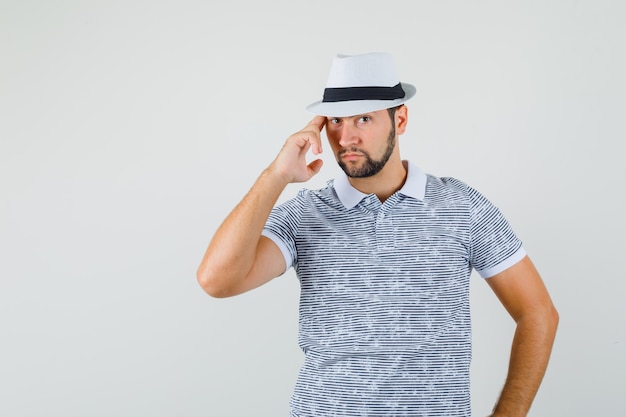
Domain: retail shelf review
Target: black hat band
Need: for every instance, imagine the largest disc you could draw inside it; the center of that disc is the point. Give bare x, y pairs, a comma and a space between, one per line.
362, 93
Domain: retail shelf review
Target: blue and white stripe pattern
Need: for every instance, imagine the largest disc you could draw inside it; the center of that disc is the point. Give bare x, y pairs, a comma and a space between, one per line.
384, 308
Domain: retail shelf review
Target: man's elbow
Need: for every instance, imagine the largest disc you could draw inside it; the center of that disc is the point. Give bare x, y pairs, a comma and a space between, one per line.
553, 318
543, 319
212, 283
546, 319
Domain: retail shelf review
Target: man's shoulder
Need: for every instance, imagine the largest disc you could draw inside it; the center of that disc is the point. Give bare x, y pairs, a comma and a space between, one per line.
309, 196
445, 186
327, 190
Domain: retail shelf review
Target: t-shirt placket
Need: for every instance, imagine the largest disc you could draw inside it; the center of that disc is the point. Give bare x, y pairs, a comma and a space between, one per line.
384, 230
383, 222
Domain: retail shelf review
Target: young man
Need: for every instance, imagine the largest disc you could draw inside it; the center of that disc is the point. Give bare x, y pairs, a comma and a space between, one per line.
384, 255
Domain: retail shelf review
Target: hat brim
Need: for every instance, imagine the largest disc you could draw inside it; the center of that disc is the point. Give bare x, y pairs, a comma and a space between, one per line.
352, 108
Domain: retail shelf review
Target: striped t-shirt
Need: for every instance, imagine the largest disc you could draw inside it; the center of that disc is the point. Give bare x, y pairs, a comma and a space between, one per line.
384, 306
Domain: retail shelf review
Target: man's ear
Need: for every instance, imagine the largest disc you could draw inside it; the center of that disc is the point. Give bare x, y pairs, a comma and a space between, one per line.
401, 119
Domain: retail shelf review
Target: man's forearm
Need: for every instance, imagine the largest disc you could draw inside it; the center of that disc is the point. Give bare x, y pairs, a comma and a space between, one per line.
530, 353
231, 252
238, 259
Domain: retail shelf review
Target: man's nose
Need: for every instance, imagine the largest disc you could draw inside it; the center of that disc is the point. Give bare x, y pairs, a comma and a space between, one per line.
349, 136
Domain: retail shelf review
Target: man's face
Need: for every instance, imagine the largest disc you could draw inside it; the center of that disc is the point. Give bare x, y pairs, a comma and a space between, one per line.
362, 144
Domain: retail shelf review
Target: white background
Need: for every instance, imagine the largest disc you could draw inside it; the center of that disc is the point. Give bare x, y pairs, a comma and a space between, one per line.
129, 129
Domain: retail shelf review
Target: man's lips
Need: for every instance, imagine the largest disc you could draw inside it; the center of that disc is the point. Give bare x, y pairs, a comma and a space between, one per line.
350, 156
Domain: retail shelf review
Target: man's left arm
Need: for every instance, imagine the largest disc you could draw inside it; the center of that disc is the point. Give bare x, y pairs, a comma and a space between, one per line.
524, 295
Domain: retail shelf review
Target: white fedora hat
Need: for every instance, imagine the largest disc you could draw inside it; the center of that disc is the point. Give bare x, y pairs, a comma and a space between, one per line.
360, 84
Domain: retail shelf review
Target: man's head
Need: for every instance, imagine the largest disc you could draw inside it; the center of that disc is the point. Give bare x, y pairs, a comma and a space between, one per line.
362, 93
363, 144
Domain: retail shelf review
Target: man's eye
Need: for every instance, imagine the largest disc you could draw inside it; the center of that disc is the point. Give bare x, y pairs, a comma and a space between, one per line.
334, 120
365, 119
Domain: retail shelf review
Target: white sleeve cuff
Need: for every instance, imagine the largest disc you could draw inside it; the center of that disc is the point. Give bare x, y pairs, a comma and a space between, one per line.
507, 263
283, 248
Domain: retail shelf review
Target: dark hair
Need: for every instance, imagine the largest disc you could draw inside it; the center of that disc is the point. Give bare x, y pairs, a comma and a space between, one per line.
392, 111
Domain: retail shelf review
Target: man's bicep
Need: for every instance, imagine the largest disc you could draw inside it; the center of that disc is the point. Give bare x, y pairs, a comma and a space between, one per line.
520, 288
269, 263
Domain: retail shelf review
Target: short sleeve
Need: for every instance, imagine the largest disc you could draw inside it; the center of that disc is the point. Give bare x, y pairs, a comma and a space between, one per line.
282, 226
494, 245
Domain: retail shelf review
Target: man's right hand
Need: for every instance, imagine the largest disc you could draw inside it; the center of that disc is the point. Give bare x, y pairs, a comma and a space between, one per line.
291, 162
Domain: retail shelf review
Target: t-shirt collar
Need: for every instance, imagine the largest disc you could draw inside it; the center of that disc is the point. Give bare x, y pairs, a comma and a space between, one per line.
414, 186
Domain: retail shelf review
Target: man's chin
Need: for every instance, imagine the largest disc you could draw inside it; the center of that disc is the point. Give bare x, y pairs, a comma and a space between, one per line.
360, 172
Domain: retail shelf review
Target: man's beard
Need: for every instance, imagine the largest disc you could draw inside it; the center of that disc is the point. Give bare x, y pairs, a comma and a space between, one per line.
370, 167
